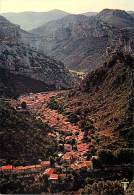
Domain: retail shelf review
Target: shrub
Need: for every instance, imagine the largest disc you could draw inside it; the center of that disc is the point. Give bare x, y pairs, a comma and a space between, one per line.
53, 104
124, 155
104, 188
73, 118
86, 125
24, 105
106, 156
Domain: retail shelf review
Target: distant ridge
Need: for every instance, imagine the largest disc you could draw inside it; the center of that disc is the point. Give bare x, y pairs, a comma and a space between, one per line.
80, 41
29, 20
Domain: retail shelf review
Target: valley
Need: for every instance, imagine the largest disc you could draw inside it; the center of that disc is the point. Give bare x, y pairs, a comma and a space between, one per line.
66, 103
74, 154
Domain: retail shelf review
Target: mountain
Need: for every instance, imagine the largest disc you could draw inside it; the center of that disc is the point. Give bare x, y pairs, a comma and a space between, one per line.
116, 18
80, 41
89, 13
131, 13
30, 20
105, 97
24, 66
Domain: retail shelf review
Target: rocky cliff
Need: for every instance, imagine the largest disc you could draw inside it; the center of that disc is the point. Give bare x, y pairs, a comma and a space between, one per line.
80, 41
17, 58
8, 31
116, 18
76, 40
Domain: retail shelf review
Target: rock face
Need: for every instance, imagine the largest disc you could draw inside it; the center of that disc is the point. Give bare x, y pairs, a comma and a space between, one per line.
80, 41
8, 31
116, 18
19, 59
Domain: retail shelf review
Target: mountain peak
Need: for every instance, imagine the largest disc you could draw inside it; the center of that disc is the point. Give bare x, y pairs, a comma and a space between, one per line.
113, 12
116, 18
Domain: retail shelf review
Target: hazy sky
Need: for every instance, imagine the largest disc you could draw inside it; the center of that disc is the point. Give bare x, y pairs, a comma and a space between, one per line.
73, 6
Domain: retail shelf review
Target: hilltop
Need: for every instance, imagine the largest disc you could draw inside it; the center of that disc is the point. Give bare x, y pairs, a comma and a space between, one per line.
80, 41
29, 20
116, 18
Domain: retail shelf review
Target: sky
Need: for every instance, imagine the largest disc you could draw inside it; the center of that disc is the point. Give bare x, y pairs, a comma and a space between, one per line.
72, 6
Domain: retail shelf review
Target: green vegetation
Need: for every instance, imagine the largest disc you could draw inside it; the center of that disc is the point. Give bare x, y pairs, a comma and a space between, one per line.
24, 139
24, 105
73, 118
55, 105
119, 156
103, 188
86, 125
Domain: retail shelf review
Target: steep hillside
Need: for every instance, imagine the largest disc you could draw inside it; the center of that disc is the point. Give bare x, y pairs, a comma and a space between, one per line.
12, 85
80, 41
23, 138
30, 20
8, 30
19, 59
105, 97
77, 40
116, 18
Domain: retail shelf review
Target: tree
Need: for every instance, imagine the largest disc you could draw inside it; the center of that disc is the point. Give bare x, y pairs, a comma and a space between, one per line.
24, 105
73, 118
52, 161
46, 183
103, 188
124, 155
106, 156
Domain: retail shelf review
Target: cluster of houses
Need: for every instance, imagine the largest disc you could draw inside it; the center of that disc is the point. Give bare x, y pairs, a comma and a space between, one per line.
45, 168
9, 169
73, 148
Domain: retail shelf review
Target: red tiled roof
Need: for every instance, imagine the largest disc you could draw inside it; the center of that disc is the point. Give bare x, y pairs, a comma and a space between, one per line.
45, 163
62, 175
49, 171
69, 155
7, 167
19, 168
53, 177
84, 164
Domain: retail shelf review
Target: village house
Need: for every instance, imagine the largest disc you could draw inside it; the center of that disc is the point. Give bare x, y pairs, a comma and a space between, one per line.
94, 158
6, 169
49, 171
82, 164
82, 148
53, 178
62, 176
68, 147
69, 157
45, 164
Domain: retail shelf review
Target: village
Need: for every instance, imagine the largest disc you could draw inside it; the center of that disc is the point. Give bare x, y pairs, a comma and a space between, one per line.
74, 157
71, 148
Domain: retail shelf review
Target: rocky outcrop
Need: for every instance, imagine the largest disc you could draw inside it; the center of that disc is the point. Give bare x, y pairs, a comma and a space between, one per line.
116, 18
8, 31
19, 58
80, 41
